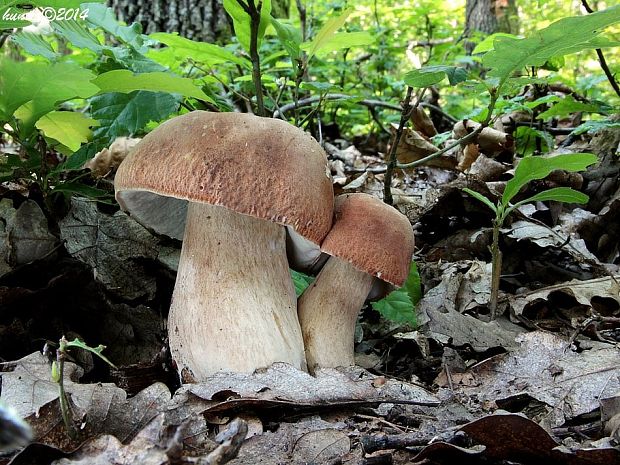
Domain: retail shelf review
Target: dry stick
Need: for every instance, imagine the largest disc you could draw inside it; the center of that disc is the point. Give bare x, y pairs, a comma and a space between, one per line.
391, 158
254, 12
601, 57
365, 102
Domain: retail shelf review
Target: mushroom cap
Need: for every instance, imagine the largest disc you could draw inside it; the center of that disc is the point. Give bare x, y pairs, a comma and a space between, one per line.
371, 235
256, 166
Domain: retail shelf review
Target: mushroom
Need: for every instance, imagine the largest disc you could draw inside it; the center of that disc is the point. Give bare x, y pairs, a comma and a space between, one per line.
228, 183
370, 243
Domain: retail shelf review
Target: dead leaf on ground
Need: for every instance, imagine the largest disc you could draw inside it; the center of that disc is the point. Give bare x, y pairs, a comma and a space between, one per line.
116, 247
97, 408
582, 292
463, 285
546, 368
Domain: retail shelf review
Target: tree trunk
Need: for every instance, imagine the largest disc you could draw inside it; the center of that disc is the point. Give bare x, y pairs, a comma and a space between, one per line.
200, 20
488, 17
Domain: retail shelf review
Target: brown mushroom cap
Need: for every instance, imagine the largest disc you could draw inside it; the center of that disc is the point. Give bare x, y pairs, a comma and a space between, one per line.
260, 167
371, 235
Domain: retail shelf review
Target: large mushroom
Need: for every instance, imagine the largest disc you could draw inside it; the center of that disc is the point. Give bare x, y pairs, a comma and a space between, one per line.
370, 243
228, 184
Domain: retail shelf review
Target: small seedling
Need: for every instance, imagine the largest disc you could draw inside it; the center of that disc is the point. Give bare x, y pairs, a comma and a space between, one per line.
58, 377
527, 170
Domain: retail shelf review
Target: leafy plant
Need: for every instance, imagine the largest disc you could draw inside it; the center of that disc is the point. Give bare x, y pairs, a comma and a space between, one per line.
398, 306
529, 169
57, 373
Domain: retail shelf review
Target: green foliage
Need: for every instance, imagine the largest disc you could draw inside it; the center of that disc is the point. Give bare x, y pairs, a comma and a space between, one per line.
399, 305
98, 351
530, 140
563, 37
531, 168
431, 75
569, 105
125, 81
41, 85
596, 125
70, 128
199, 52
301, 281
241, 19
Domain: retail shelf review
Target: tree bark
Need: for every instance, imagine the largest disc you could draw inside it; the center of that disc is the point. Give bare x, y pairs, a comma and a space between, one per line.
488, 17
200, 20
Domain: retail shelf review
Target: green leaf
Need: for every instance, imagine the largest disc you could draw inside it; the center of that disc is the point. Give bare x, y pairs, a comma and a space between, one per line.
326, 33
301, 281
95, 350
241, 20
318, 87
481, 198
78, 35
568, 35
531, 168
81, 189
569, 105
559, 194
341, 40
200, 52
42, 86
128, 114
10, 16
396, 307
527, 140
487, 43
420, 78
35, 44
413, 285
593, 126
125, 81
103, 17
290, 38
431, 75
67, 127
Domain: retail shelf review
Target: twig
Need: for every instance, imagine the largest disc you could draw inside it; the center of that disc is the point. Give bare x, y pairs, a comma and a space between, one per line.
306, 102
464, 140
302, 19
400, 441
601, 58
254, 11
391, 157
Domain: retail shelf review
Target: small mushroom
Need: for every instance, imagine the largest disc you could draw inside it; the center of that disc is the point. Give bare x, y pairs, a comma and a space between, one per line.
228, 183
370, 243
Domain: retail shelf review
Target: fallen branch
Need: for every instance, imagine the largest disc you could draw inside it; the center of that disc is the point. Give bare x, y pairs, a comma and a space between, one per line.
306, 102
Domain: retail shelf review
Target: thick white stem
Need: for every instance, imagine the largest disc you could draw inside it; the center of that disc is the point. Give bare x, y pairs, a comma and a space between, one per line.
328, 311
233, 306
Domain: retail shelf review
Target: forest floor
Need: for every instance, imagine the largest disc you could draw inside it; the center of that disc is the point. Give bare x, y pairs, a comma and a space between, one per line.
538, 384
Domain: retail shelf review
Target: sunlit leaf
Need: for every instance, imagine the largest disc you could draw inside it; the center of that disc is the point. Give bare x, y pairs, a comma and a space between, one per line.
241, 20
67, 127
563, 37
326, 33
125, 81
200, 52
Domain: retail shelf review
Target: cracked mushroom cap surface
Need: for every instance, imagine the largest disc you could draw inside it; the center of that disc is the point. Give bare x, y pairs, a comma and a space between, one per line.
371, 235
262, 167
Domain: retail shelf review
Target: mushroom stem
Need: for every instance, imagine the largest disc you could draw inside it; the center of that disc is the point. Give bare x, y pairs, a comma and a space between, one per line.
233, 306
328, 311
